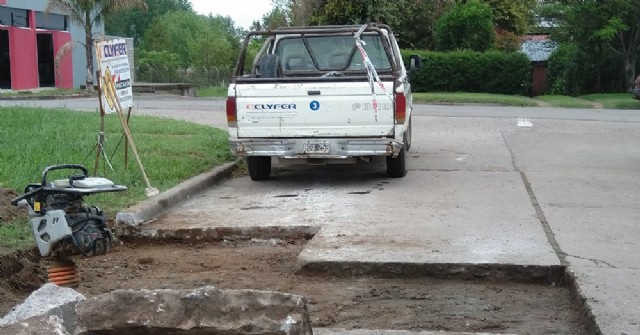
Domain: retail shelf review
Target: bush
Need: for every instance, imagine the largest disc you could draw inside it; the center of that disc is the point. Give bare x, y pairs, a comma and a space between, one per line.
467, 26
574, 71
569, 71
156, 66
470, 71
507, 41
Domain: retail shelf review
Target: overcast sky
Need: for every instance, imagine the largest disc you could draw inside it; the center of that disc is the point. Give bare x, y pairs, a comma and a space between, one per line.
243, 12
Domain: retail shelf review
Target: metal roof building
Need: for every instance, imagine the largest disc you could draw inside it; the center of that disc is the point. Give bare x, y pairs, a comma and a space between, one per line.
538, 47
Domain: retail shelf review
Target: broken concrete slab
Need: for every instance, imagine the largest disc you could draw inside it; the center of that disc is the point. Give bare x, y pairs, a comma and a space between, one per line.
205, 310
330, 331
611, 297
467, 218
49, 300
39, 325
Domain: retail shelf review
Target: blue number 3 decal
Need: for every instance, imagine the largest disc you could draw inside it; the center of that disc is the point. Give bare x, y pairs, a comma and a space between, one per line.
314, 105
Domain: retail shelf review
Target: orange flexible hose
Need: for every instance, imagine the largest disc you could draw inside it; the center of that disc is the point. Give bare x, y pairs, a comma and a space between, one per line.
63, 274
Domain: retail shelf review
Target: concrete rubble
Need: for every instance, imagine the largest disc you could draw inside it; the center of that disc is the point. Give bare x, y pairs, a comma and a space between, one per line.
39, 325
49, 300
204, 310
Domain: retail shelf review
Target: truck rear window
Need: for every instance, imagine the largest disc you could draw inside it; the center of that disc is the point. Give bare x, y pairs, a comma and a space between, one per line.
331, 53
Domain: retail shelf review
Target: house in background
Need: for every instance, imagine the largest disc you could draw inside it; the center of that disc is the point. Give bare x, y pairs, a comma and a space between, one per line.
29, 42
538, 48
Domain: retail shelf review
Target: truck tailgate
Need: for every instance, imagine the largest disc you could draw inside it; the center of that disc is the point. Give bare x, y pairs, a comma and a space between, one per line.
342, 109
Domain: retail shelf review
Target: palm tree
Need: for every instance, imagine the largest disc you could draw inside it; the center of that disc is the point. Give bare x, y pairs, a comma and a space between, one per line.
87, 13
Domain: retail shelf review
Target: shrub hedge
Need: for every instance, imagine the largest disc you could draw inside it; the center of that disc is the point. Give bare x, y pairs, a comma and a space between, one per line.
574, 71
470, 71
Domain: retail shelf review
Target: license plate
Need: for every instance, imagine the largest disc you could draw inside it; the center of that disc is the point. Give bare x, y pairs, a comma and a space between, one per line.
316, 147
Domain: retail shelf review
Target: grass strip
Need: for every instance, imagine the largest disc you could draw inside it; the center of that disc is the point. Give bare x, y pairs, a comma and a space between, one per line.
474, 98
614, 100
565, 101
211, 91
171, 151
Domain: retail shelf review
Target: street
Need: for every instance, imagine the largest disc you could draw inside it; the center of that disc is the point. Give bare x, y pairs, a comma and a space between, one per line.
523, 190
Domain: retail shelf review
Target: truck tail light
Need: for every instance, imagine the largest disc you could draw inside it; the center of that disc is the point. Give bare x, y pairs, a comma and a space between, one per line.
401, 108
232, 112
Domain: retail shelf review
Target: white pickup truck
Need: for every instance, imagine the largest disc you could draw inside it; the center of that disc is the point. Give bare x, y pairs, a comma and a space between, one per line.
321, 94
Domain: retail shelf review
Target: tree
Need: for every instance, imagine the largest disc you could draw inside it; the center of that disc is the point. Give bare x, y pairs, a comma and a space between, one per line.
157, 66
420, 36
210, 51
514, 16
359, 12
87, 14
401, 15
277, 17
301, 10
174, 37
467, 26
611, 25
208, 43
133, 22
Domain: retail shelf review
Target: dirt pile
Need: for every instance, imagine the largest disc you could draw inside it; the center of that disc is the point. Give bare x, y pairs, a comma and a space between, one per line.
20, 274
8, 212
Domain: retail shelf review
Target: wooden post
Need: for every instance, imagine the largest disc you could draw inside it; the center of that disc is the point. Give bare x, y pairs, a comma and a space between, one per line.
101, 134
126, 143
150, 190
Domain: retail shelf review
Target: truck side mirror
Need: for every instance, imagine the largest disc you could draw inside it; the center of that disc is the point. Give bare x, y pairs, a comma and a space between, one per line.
415, 62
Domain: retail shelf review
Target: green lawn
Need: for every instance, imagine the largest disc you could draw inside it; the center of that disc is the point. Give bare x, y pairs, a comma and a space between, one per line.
608, 101
171, 151
15, 236
565, 101
614, 100
211, 91
477, 98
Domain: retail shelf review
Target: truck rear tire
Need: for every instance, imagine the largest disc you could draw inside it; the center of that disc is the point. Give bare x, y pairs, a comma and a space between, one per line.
397, 167
259, 167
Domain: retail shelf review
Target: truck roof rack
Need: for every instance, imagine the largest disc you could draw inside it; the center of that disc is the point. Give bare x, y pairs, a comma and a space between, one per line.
339, 27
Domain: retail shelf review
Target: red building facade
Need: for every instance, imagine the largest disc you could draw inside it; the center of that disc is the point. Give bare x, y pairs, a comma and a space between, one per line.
28, 49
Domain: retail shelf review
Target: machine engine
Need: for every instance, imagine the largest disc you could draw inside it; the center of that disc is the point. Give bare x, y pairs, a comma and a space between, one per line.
61, 223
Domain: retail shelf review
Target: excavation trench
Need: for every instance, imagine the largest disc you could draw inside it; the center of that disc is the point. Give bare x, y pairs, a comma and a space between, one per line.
456, 298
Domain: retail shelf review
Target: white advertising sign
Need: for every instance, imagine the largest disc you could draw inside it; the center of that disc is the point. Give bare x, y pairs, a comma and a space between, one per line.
115, 74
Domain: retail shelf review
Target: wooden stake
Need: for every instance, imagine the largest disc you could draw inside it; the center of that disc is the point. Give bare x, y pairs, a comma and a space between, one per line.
101, 134
150, 191
126, 143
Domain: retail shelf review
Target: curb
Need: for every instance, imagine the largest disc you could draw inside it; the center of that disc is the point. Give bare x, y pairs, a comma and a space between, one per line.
155, 206
47, 97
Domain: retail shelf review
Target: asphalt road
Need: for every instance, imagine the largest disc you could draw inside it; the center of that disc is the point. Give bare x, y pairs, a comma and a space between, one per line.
486, 185
200, 110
